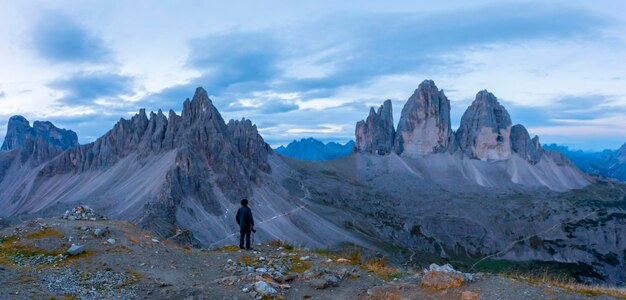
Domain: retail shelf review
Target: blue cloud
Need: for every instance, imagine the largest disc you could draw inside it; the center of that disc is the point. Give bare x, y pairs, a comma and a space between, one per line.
58, 38
356, 50
242, 58
382, 44
84, 88
584, 107
367, 46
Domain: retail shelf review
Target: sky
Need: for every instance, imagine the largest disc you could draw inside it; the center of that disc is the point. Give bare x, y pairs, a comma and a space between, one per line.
313, 68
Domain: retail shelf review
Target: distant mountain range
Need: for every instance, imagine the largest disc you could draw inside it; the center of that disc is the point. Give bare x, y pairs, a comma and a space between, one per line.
607, 163
312, 149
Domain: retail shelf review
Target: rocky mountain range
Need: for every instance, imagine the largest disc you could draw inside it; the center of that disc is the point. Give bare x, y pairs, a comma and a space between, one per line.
487, 189
485, 133
607, 163
312, 149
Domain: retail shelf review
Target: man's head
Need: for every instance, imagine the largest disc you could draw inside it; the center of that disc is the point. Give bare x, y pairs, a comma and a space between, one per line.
244, 202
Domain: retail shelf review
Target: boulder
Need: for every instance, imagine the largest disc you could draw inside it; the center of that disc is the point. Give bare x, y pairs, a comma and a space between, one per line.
469, 295
75, 250
264, 288
441, 280
100, 232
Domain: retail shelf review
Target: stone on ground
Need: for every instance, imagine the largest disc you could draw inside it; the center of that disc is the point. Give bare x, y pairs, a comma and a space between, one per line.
441, 280
469, 295
75, 249
264, 288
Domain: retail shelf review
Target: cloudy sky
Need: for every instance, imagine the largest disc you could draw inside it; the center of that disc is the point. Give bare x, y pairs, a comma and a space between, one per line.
312, 68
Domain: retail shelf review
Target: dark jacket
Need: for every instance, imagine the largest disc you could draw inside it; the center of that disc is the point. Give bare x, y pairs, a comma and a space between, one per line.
244, 217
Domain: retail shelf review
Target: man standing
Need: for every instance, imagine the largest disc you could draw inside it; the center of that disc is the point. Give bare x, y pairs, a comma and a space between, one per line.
246, 223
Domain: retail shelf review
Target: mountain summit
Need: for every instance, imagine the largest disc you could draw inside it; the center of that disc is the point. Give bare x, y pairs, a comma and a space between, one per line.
424, 125
485, 129
376, 133
38, 143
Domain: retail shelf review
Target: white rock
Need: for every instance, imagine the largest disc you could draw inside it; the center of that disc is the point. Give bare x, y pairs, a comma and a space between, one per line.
305, 258
75, 249
111, 241
155, 241
264, 288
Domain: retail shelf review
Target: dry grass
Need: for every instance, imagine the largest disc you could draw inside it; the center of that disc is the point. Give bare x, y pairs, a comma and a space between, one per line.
228, 248
378, 266
249, 260
300, 266
69, 297
278, 243
46, 233
570, 285
12, 245
137, 275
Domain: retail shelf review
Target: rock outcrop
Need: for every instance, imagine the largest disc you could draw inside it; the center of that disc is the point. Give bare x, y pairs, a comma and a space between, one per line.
485, 129
249, 143
424, 125
376, 133
212, 163
40, 142
522, 144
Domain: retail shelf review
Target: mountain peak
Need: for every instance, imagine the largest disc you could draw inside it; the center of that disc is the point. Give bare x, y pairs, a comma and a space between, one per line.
485, 129
376, 133
17, 130
522, 144
427, 84
424, 125
42, 141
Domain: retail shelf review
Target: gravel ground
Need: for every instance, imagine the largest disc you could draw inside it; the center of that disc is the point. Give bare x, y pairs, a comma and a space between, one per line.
121, 261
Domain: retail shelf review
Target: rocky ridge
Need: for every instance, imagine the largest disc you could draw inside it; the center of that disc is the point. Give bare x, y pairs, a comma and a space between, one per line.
38, 143
606, 163
312, 149
376, 134
485, 131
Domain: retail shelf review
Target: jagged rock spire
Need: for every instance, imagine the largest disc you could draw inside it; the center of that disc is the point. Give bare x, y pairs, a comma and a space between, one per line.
376, 133
485, 129
424, 125
522, 144
18, 129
